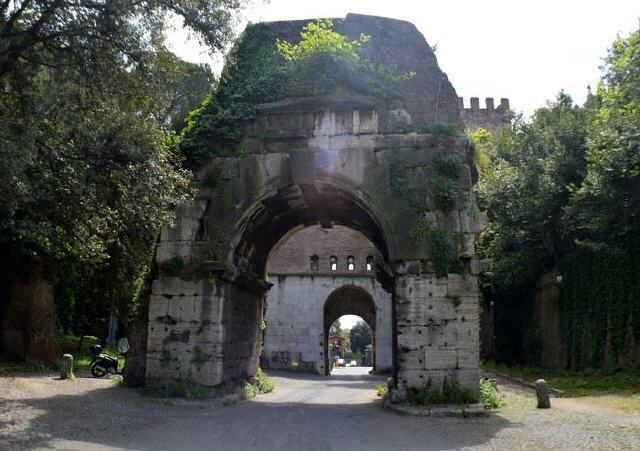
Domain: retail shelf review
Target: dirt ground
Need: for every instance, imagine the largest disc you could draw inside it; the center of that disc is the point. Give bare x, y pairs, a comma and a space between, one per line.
340, 412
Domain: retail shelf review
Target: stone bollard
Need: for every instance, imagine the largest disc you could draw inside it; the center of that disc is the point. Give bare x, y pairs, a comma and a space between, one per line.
542, 393
66, 369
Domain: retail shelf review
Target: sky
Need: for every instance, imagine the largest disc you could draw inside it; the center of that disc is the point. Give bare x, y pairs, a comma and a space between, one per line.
526, 51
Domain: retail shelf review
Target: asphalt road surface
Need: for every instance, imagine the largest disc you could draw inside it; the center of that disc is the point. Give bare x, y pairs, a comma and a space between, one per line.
339, 412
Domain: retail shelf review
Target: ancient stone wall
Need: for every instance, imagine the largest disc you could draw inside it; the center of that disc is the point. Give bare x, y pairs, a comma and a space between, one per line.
295, 335
294, 255
294, 338
335, 161
437, 332
491, 118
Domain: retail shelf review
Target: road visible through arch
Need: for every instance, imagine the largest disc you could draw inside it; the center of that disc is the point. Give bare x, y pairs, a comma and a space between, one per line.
345, 386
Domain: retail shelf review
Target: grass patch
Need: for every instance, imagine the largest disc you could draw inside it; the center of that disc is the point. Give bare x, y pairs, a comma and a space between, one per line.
68, 344
381, 389
618, 390
10, 366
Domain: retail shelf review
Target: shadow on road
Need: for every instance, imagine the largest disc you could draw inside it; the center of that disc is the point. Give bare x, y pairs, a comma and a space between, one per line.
104, 416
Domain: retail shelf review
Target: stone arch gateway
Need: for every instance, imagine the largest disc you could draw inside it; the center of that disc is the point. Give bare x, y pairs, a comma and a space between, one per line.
349, 300
341, 159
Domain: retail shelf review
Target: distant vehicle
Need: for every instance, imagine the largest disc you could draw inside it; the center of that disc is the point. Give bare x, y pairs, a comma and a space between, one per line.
353, 363
339, 362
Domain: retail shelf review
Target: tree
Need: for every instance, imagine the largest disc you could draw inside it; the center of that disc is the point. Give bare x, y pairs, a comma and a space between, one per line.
606, 207
334, 330
360, 337
527, 187
91, 34
86, 178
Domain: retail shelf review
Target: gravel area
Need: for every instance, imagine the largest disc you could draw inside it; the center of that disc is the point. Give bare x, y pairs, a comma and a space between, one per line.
340, 412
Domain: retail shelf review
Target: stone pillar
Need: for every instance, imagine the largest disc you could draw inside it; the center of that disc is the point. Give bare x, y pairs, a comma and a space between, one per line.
66, 367
542, 393
438, 332
206, 331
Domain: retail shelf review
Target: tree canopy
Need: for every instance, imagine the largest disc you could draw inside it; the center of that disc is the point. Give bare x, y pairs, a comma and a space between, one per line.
88, 94
562, 192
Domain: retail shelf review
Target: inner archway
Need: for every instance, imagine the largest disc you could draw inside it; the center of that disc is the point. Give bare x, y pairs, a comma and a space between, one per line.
304, 269
348, 300
350, 344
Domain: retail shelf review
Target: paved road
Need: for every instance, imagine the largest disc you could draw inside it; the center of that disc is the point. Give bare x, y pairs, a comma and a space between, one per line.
340, 412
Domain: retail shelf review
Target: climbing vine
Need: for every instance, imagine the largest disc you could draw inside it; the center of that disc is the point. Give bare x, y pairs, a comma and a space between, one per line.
263, 68
600, 308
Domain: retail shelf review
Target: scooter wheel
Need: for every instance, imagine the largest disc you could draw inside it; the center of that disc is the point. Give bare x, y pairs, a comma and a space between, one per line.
98, 370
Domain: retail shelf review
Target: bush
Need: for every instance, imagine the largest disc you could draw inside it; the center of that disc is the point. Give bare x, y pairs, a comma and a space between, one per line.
489, 395
249, 390
263, 382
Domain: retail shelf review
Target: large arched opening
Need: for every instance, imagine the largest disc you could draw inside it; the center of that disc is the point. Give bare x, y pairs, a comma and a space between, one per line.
305, 269
292, 207
348, 300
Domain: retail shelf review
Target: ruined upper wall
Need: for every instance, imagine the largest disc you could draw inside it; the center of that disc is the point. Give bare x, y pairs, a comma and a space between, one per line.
491, 118
398, 45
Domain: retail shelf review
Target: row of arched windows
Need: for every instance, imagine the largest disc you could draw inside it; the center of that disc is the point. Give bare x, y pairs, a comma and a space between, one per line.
333, 263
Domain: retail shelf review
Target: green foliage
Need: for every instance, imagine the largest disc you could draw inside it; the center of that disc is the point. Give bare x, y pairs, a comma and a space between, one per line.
262, 68
360, 337
481, 142
321, 60
489, 394
588, 382
254, 73
448, 165
439, 129
450, 394
444, 192
600, 304
248, 391
263, 382
87, 173
381, 389
334, 329
526, 190
607, 204
442, 251
563, 191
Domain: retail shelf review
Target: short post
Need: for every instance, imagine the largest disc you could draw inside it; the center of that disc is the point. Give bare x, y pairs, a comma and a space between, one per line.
66, 369
542, 393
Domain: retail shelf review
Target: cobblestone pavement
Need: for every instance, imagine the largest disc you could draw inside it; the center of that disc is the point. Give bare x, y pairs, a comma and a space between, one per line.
305, 412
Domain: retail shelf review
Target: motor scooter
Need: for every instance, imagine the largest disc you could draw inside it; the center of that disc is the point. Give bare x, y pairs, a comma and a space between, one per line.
103, 364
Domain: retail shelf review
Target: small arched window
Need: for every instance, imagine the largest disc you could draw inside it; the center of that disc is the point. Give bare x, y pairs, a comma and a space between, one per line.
333, 263
315, 263
369, 263
351, 263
